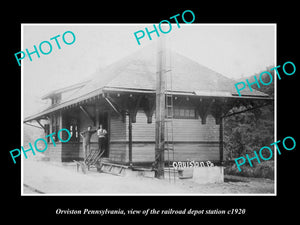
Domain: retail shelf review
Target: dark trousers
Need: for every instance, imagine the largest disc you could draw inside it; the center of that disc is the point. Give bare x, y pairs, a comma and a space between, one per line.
86, 149
101, 143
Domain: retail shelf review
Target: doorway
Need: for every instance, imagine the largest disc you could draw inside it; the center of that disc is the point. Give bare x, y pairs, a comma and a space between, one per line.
104, 120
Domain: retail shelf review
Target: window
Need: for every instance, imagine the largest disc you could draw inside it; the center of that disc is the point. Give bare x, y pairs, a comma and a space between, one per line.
56, 99
55, 126
181, 112
74, 130
176, 112
47, 132
184, 113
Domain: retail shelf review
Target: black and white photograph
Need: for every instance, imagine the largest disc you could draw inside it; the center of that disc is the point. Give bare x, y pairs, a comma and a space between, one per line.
148, 109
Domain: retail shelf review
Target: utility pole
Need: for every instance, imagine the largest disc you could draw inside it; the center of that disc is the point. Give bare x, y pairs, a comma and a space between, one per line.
160, 110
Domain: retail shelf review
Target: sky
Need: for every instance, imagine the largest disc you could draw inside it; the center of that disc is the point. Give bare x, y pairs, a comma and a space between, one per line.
234, 50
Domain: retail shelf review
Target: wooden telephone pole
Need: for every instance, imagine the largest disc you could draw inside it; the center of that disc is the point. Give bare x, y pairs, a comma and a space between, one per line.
160, 110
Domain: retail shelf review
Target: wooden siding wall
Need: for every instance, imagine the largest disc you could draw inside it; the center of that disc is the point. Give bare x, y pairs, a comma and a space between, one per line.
54, 152
66, 152
70, 152
193, 140
118, 140
185, 130
63, 152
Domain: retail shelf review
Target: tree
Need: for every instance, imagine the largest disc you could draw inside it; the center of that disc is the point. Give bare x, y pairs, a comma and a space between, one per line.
251, 130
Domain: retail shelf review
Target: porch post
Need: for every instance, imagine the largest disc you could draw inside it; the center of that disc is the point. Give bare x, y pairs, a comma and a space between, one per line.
221, 135
130, 139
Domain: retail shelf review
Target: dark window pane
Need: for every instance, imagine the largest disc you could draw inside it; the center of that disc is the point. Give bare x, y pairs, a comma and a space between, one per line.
192, 113
186, 113
181, 112
176, 112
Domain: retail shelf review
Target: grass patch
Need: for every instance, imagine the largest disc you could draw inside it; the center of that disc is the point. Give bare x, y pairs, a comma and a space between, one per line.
264, 169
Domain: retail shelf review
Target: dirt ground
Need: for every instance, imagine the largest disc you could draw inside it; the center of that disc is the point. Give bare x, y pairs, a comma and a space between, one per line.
53, 178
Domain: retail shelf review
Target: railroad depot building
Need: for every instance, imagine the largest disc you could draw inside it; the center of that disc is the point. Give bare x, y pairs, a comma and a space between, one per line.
122, 97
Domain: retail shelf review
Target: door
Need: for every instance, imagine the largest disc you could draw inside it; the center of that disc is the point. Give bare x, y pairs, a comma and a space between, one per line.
104, 120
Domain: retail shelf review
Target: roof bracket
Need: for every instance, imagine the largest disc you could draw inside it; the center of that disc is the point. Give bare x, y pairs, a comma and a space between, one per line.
43, 127
87, 115
113, 105
32, 125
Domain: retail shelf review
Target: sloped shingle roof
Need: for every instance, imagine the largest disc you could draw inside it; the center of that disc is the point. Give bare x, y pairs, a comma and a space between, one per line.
138, 72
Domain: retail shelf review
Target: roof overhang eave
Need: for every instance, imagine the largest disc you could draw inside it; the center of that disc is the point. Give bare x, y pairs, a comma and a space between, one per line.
45, 113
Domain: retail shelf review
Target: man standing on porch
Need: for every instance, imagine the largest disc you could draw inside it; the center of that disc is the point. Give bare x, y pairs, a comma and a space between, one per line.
86, 137
101, 138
